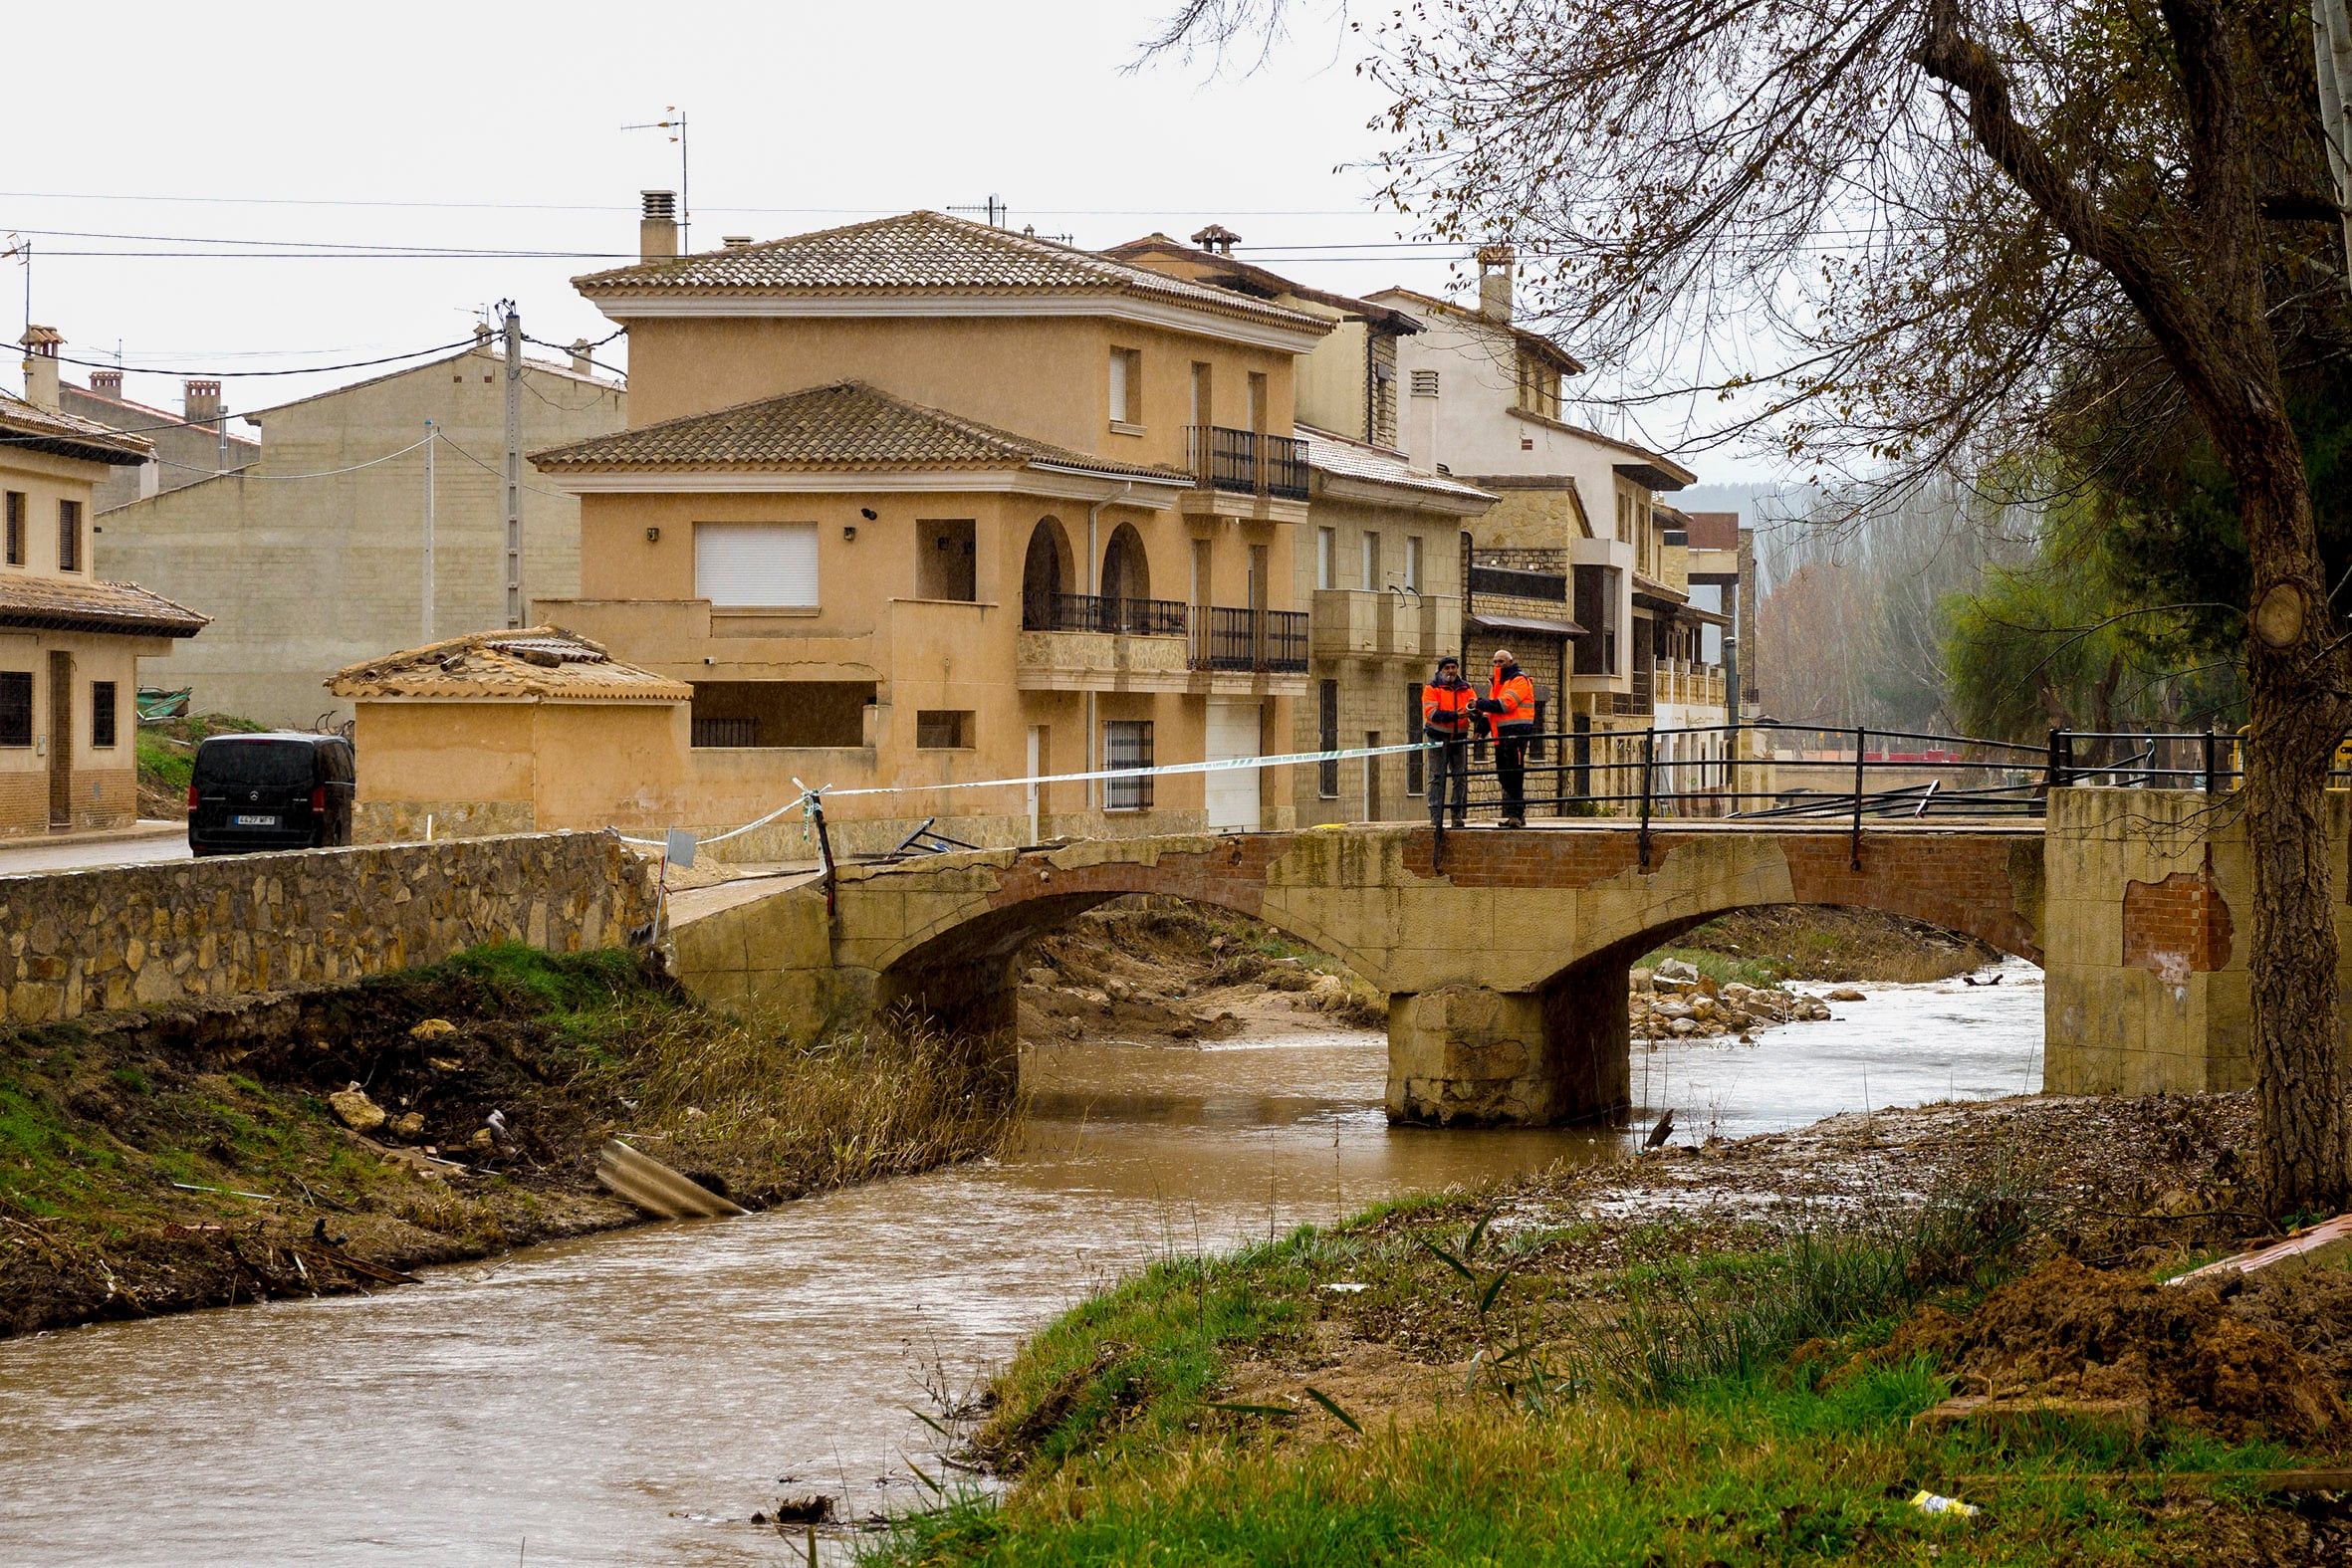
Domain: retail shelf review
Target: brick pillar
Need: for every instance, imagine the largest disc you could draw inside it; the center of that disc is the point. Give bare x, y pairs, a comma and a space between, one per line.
1464, 1055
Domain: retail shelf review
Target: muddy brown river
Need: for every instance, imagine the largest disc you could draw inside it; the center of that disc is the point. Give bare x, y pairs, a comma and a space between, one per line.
634, 1398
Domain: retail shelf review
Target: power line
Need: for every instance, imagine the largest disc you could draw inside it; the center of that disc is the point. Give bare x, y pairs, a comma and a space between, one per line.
328, 473
1211, 211
312, 369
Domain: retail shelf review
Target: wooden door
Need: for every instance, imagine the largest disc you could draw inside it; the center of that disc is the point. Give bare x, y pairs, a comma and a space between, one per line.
61, 740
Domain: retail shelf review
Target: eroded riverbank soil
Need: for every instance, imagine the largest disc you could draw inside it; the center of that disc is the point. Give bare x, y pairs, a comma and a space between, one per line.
333, 1140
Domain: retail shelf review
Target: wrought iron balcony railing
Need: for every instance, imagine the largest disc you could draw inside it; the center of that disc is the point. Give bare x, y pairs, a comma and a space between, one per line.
1274, 641
1098, 612
1248, 462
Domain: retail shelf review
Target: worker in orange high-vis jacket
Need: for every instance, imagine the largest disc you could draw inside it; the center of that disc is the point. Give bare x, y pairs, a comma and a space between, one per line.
1510, 705
1448, 715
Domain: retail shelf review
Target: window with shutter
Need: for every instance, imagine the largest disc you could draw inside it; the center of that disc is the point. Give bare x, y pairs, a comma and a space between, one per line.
101, 714
756, 565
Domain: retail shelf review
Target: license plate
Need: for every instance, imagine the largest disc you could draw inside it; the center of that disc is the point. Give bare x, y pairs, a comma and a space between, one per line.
257, 822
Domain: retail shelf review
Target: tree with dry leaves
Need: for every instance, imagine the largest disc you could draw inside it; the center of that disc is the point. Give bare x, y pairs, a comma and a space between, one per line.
1889, 234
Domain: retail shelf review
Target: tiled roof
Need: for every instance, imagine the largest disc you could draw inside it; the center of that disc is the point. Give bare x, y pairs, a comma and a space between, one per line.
538, 661
73, 604
1332, 454
921, 253
1164, 255
1544, 347
27, 426
848, 425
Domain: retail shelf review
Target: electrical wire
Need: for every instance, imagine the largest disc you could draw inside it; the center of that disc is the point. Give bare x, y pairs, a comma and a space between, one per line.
567, 348
494, 473
306, 369
328, 473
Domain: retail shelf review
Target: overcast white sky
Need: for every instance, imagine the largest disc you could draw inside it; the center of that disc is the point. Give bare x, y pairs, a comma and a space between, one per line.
297, 128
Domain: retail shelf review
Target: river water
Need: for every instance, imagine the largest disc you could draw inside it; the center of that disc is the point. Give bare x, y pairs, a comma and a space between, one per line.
634, 1398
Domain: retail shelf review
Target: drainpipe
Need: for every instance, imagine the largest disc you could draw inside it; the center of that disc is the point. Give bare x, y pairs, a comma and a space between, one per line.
1095, 588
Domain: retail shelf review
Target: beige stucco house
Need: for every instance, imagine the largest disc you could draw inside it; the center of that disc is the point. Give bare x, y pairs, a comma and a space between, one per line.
70, 643
310, 556
918, 504
1381, 567
1581, 540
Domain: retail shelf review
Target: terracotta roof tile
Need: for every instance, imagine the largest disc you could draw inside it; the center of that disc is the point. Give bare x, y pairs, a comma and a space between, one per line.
1356, 460
848, 425
508, 666
74, 604
921, 253
30, 426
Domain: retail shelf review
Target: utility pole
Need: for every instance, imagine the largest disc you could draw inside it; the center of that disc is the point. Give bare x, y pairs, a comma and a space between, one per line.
430, 440
514, 462
2331, 49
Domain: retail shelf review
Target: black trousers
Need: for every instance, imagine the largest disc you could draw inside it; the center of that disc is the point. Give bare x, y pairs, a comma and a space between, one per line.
1511, 771
1449, 763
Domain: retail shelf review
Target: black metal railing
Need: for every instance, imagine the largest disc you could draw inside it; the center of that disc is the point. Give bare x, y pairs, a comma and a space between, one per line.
1098, 612
1245, 462
1849, 778
1274, 641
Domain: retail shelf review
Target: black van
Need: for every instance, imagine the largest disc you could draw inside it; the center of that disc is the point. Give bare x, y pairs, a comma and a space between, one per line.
270, 792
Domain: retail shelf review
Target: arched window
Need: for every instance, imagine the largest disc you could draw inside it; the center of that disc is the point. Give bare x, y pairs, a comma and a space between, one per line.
1045, 577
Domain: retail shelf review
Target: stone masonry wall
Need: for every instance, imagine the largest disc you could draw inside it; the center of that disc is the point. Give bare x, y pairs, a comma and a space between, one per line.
149, 934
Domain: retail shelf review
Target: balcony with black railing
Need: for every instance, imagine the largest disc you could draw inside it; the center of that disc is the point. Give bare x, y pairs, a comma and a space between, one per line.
1100, 613
1269, 641
1243, 462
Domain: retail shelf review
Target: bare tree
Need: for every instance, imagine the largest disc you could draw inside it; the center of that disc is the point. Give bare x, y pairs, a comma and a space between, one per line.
1894, 226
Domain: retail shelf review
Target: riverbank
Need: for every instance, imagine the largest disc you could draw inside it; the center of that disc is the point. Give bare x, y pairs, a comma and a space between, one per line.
1708, 1355
335, 1140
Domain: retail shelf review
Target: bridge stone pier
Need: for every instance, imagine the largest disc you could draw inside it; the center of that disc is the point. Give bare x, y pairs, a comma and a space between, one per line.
1505, 971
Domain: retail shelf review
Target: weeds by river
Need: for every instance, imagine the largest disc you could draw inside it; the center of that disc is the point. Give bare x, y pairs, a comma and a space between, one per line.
1492, 1377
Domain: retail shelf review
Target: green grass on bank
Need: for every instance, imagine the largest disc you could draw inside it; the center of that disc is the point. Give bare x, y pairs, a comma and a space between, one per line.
1721, 967
167, 751
1648, 1396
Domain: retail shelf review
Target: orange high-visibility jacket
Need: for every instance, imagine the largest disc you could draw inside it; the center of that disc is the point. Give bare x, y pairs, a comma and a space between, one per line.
1516, 693
1445, 710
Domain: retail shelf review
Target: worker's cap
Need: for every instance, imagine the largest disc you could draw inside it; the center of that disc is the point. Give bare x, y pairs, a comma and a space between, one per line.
1503, 656
1448, 662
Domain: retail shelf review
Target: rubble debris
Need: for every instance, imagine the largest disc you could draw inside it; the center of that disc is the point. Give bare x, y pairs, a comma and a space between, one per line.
653, 1187
355, 1110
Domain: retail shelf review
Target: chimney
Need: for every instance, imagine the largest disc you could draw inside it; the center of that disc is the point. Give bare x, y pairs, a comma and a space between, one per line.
200, 403
1217, 240
482, 335
106, 383
657, 230
581, 363
1421, 422
41, 347
735, 241
1493, 280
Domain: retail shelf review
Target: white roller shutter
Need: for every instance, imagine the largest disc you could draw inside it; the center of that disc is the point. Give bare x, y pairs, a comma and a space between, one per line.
1232, 792
756, 565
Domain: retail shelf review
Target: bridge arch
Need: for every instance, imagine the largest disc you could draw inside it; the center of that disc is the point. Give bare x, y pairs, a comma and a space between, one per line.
958, 965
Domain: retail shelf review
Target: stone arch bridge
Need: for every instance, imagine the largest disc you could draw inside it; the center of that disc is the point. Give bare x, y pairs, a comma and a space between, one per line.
1505, 971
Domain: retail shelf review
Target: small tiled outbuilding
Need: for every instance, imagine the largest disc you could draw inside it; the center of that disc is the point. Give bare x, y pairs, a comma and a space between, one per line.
505, 731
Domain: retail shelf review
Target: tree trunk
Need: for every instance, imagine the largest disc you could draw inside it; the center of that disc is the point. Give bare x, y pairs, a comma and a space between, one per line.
2295, 696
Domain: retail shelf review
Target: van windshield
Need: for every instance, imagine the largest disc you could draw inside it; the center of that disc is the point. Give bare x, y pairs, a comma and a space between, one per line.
276, 764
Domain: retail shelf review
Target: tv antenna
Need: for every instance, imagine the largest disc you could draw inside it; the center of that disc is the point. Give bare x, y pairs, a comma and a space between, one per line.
675, 125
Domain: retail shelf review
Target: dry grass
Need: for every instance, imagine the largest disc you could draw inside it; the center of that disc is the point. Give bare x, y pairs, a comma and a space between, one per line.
776, 1118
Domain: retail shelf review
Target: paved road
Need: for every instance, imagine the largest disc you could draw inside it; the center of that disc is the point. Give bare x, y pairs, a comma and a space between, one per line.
21, 860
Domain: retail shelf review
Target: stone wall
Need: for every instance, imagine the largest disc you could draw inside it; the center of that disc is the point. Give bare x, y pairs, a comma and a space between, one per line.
2150, 915
149, 935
